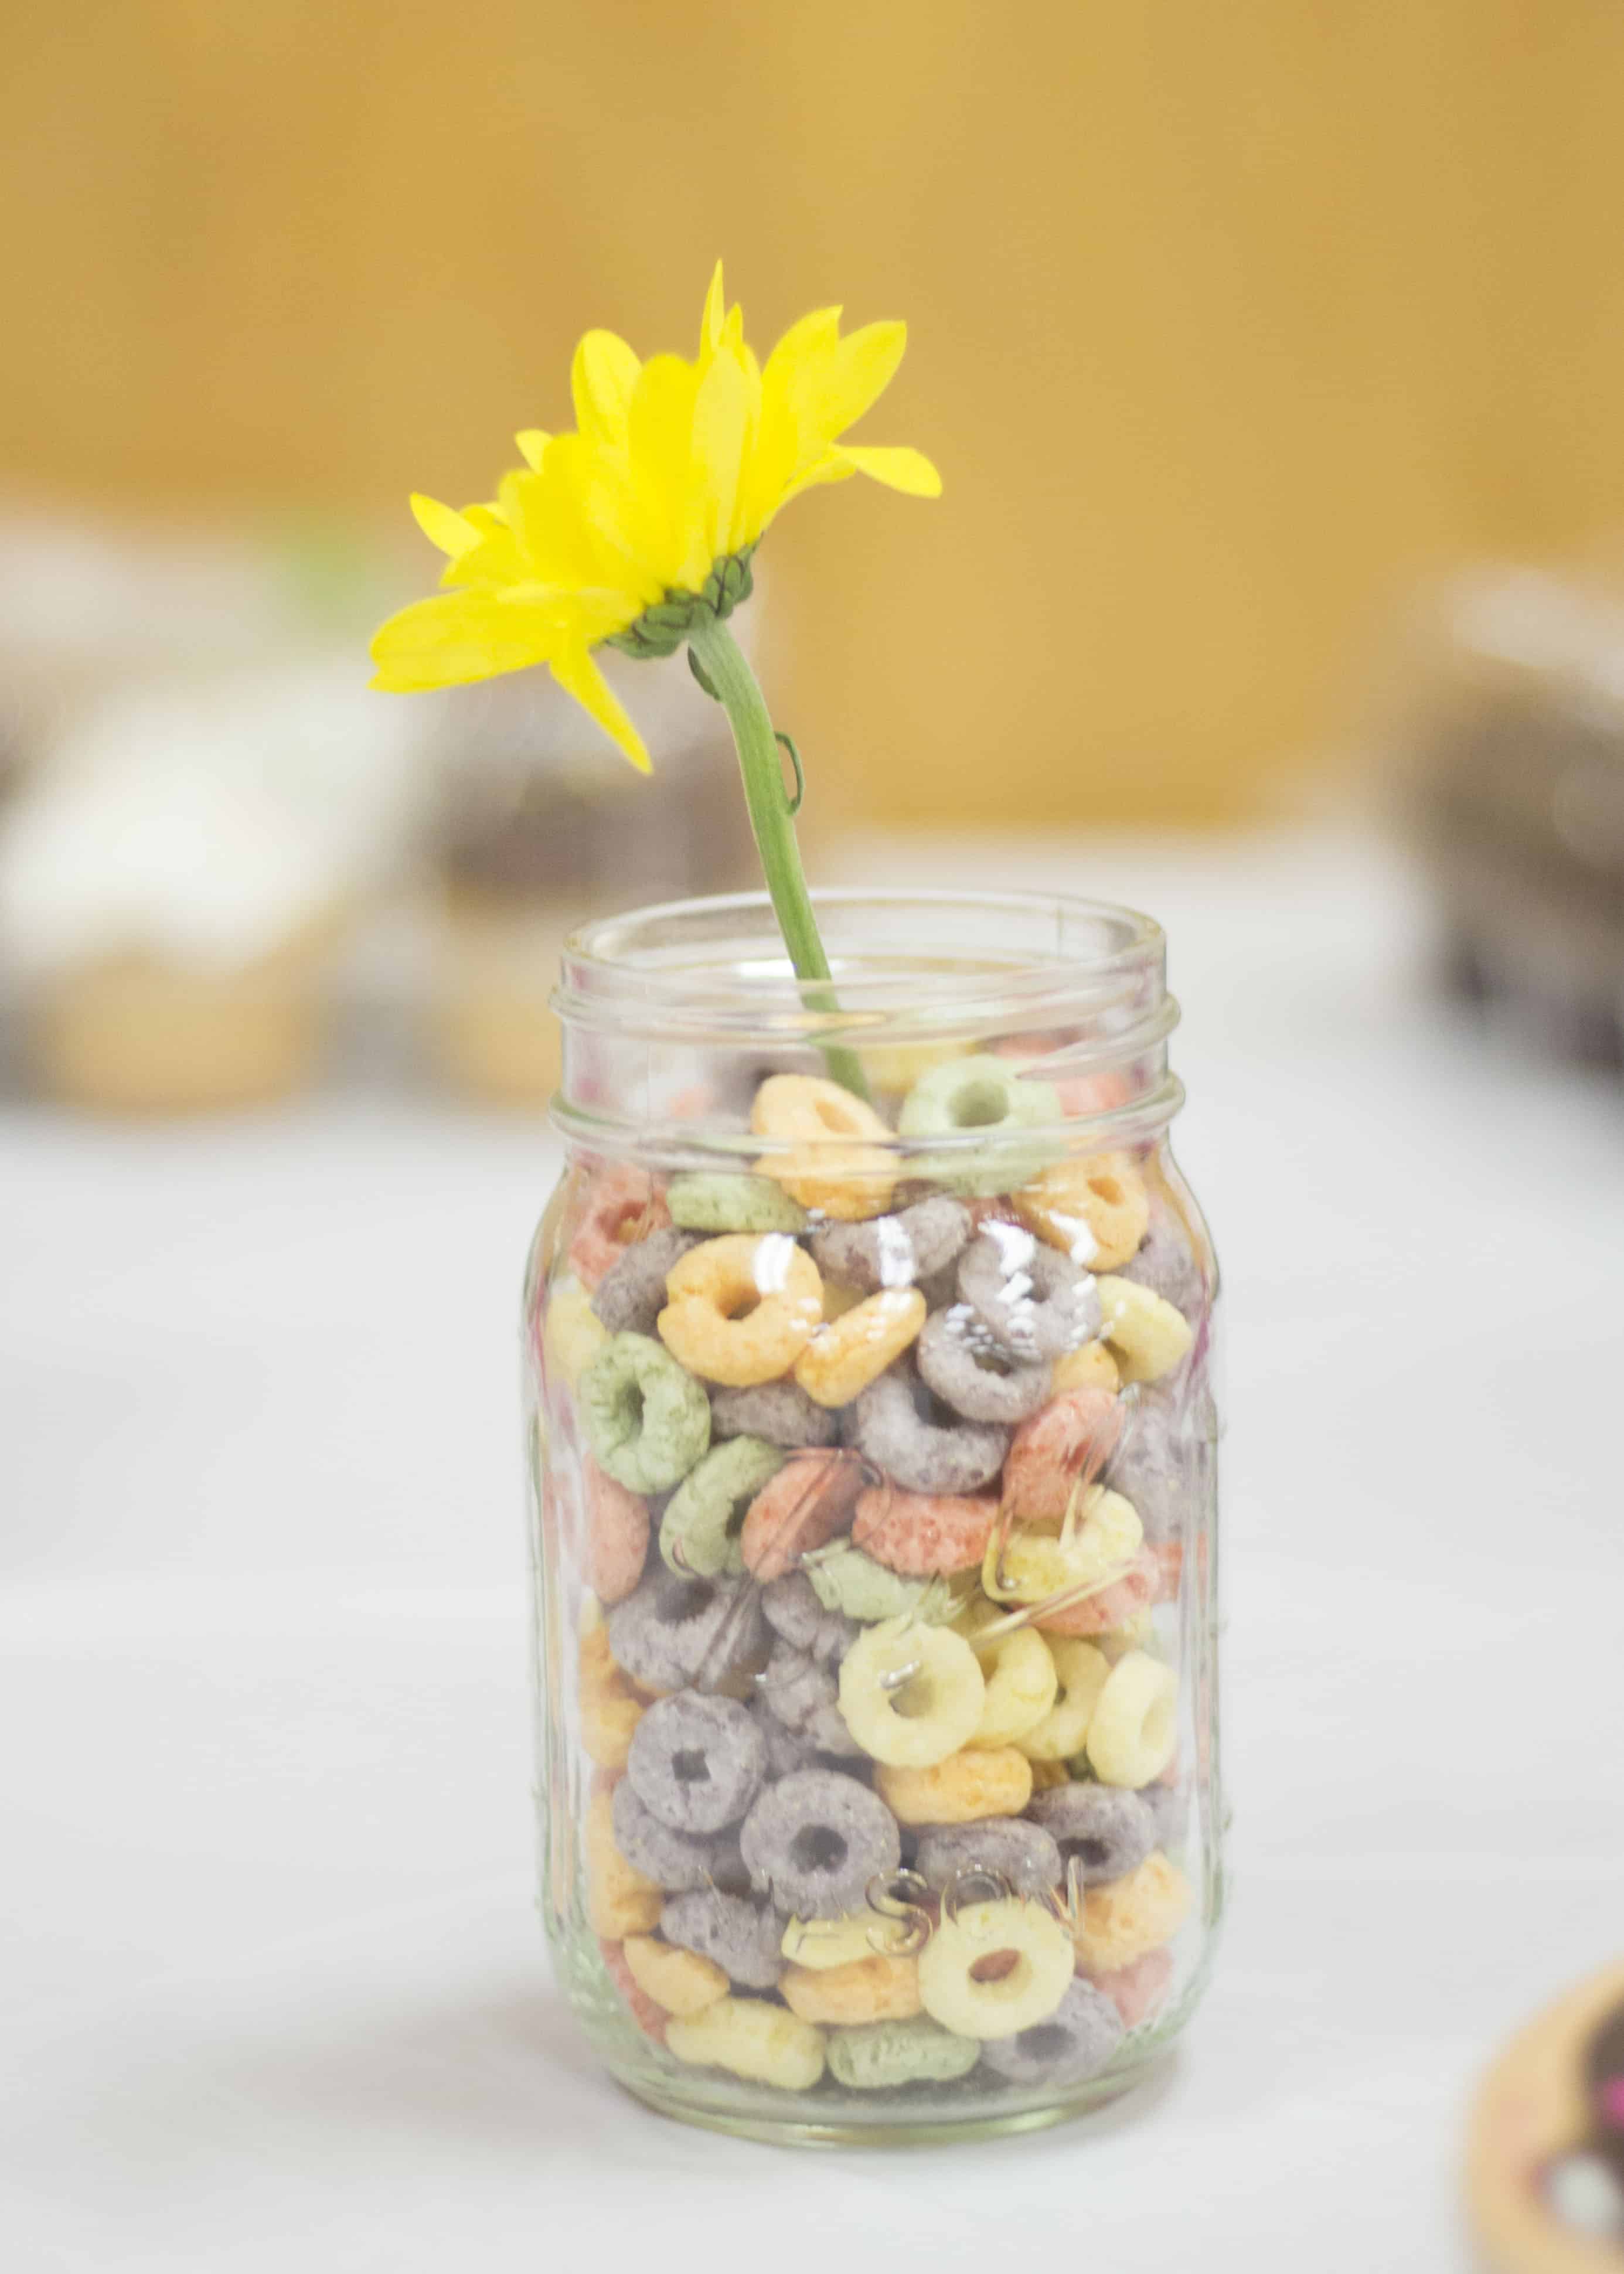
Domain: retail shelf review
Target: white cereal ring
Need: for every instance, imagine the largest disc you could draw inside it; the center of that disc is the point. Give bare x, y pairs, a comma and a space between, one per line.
1095, 1211
1082, 1669
829, 1165
748, 2037
1019, 1674
995, 1968
1147, 1336
844, 1355
681, 1981
911, 1694
1135, 1725
571, 1334
1035, 1566
741, 1308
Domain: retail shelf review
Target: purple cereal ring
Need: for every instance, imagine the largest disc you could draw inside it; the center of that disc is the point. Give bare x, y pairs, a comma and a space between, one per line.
778, 1412
792, 1608
803, 1695
927, 1448
1167, 1264
1075, 2042
1105, 1833
970, 1369
815, 1839
893, 1251
671, 1633
696, 1762
1023, 1854
741, 1936
1153, 1462
673, 1860
1029, 1297
631, 1294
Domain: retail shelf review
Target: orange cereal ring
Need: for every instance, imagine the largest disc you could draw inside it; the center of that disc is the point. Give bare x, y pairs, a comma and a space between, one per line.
1124, 1918
996, 1781
1138, 1587
826, 1164
741, 1308
1059, 1452
617, 1538
621, 1206
877, 1988
807, 1504
649, 2018
619, 1900
924, 1535
847, 1353
610, 1707
1139, 1990
1096, 1211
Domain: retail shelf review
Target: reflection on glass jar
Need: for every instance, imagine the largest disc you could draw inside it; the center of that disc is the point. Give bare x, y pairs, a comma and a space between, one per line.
873, 1502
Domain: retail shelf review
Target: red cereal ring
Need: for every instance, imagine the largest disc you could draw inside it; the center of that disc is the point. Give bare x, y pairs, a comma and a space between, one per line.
617, 1536
621, 1206
924, 1535
1063, 1448
1139, 1586
805, 1506
1138, 1991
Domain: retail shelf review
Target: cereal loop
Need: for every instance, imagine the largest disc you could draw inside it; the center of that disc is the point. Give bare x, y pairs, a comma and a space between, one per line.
911, 1694
846, 1354
679, 1981
647, 2011
819, 1945
617, 1539
573, 1333
619, 1900
741, 1308
1135, 1725
1081, 1671
1064, 1447
876, 2055
1092, 1368
806, 1505
924, 1535
871, 1989
827, 1166
1128, 1917
1148, 1336
1094, 1211
1036, 1567
621, 1206
610, 1708
750, 2039
1020, 1678
1101, 1612
995, 1968
959, 1790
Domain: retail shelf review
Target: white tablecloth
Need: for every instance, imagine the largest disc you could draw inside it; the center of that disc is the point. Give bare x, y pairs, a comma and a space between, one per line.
276, 1997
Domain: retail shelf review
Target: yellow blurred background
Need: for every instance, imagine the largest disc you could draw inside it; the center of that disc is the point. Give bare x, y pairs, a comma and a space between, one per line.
1225, 322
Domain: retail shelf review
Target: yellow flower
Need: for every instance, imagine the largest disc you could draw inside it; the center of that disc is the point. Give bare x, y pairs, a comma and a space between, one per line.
642, 520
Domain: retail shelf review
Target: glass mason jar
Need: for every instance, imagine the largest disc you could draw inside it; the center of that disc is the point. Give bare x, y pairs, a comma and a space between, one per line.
869, 1367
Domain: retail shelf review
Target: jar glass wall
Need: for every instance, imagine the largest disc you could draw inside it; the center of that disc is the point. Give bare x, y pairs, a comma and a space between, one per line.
869, 1373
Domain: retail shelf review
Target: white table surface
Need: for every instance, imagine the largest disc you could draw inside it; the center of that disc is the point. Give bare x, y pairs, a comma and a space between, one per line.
276, 1995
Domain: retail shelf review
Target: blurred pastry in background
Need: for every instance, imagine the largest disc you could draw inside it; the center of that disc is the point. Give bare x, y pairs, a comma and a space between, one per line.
173, 878
1545, 2157
1512, 739
540, 826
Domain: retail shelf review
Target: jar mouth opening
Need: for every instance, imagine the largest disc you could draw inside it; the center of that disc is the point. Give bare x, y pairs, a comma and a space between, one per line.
904, 967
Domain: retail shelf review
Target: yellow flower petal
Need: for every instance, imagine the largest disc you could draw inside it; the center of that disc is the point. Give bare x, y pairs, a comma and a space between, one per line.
459, 637
897, 467
531, 441
721, 423
578, 676
857, 373
714, 313
452, 531
602, 379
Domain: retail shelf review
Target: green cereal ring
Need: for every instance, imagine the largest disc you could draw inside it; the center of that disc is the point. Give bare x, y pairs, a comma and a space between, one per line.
646, 1419
699, 1532
844, 1579
871, 2055
983, 1094
723, 1202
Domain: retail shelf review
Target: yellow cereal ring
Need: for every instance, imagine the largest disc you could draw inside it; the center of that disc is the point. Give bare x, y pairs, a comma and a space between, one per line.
1147, 1336
681, 1981
573, 1333
898, 1065
1095, 1211
844, 1357
741, 1308
962, 1789
995, 1968
751, 2039
1135, 1725
1019, 1674
829, 1165
1033, 1566
911, 1694
619, 1900
1124, 1918
872, 1989
610, 1708
1082, 1669
1092, 1368
819, 1943
1135, 1633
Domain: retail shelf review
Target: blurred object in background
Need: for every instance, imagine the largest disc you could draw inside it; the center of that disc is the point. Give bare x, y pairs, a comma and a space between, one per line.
210, 795
1512, 743
542, 824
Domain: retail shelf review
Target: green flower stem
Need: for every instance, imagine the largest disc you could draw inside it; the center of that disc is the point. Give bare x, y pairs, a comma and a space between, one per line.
737, 689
